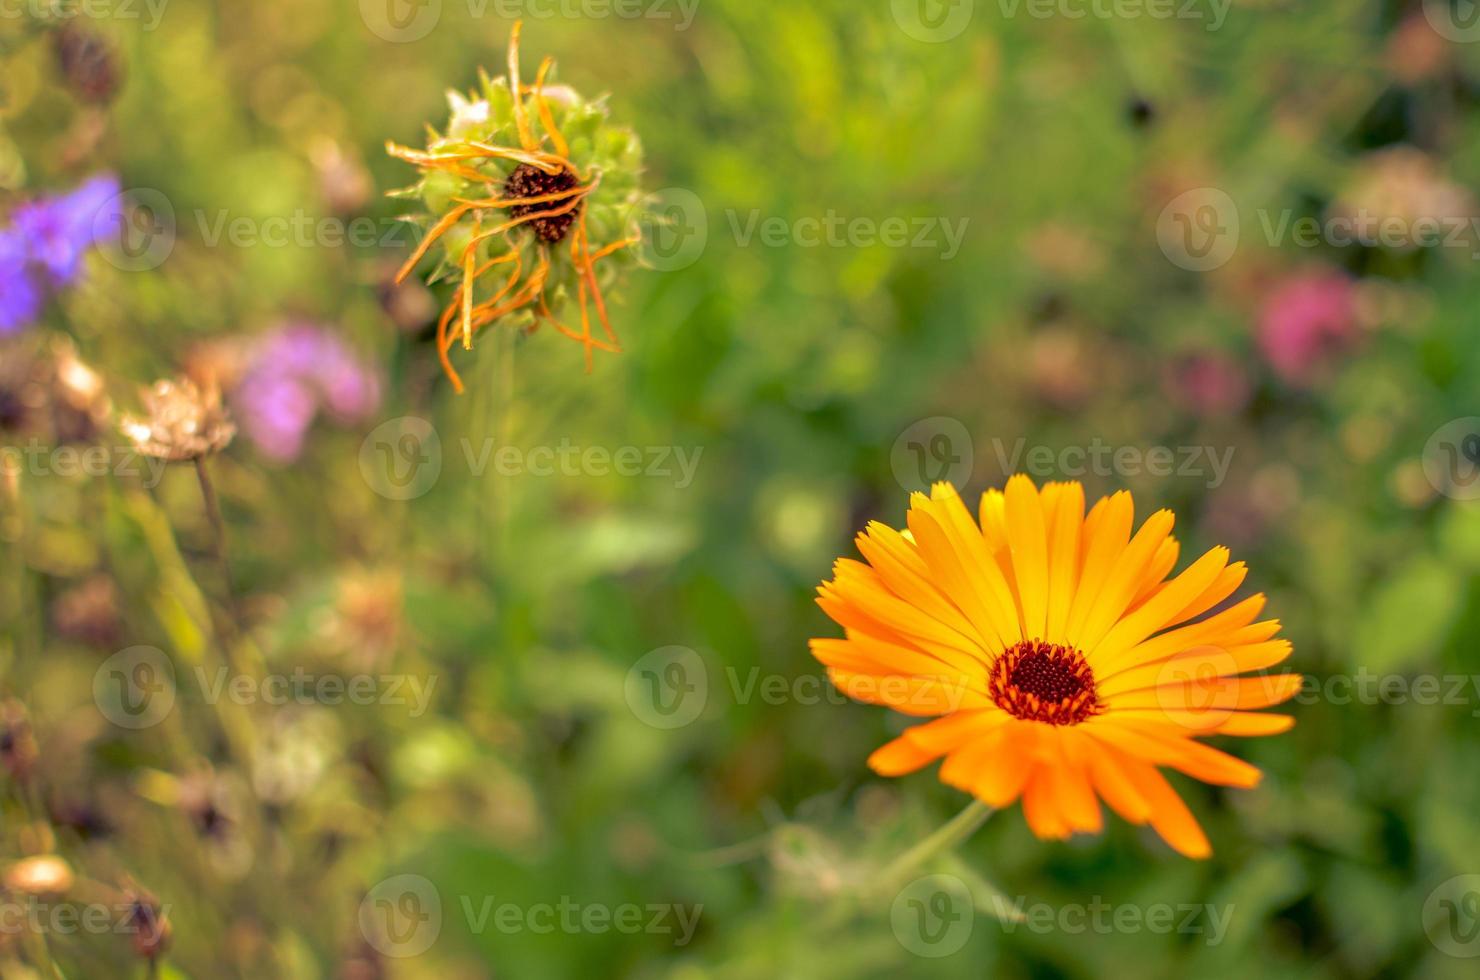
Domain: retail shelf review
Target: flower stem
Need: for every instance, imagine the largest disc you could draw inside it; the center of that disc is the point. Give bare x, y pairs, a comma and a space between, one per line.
953, 832
218, 526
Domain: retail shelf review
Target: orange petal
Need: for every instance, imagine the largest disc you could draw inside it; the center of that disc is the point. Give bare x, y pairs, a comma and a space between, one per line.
919, 696
1064, 509
1106, 531
1027, 540
1169, 815
1157, 612
1199, 662
1213, 694
1120, 582
1165, 745
923, 744
1041, 806
1076, 799
1110, 781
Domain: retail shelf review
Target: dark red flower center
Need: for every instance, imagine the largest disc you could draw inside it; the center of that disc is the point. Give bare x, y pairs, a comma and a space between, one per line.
530, 181
1044, 682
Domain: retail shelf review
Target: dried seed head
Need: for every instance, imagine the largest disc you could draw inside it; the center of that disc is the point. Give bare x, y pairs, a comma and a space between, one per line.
184, 422
18, 749
148, 924
42, 876
80, 407
22, 394
88, 612
90, 63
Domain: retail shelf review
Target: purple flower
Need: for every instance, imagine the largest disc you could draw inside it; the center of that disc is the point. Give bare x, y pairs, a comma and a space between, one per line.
59, 231
20, 299
293, 373
43, 247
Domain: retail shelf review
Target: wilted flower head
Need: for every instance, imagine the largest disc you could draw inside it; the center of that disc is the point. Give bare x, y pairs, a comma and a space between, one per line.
409, 304
21, 389
1305, 320
1415, 51
531, 181
343, 179
89, 62
147, 923
42, 876
88, 612
368, 617
183, 422
18, 749
80, 406
292, 374
1398, 195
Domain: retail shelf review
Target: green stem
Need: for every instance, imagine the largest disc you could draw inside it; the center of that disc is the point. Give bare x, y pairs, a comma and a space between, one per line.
953, 832
218, 526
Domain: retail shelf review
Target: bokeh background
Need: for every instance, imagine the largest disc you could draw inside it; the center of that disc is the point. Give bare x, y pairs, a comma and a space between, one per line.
1240, 233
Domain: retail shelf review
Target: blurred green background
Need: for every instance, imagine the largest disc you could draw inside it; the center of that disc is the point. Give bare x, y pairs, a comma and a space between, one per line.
1091, 302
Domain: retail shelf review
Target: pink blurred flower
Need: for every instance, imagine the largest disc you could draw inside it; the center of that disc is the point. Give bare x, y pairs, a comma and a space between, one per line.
294, 373
1305, 321
1207, 383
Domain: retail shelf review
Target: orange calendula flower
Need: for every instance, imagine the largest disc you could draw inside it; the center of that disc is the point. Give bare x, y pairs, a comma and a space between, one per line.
1060, 662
